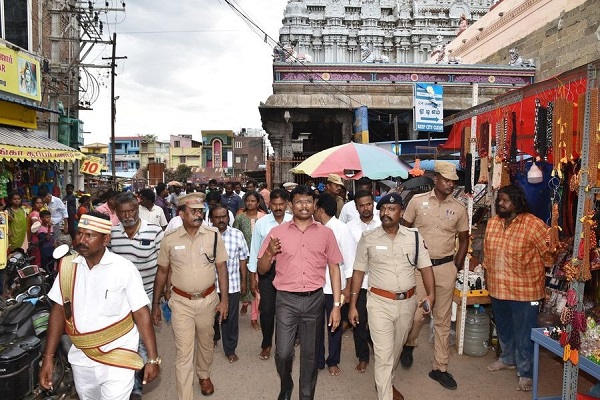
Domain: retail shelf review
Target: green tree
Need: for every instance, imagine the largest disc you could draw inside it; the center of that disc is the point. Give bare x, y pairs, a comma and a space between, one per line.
181, 174
149, 138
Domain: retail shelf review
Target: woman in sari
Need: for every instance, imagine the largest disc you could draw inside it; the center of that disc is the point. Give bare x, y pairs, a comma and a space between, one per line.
17, 223
244, 221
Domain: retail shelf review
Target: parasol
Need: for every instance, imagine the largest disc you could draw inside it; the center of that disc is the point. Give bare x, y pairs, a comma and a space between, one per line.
353, 161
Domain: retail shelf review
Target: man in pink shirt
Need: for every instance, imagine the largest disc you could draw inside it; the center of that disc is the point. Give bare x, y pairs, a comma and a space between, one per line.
302, 248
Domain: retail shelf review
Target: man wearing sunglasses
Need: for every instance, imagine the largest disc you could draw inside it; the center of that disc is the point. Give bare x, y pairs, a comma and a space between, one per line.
192, 254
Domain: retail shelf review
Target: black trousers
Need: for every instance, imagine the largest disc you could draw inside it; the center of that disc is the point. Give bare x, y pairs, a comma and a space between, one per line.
266, 307
230, 328
302, 315
361, 335
334, 342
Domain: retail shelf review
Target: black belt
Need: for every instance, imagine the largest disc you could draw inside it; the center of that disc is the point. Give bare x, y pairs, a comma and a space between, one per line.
306, 294
440, 261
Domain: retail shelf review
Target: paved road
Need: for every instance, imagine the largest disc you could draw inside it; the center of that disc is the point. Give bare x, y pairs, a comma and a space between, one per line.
254, 379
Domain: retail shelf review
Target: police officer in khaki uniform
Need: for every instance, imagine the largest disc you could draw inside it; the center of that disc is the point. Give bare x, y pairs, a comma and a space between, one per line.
192, 253
439, 218
334, 187
390, 254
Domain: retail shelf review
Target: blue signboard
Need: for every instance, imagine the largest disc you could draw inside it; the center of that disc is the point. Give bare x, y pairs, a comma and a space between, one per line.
429, 107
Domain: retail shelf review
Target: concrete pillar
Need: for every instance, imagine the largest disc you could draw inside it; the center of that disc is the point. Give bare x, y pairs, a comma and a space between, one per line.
346, 119
412, 133
280, 135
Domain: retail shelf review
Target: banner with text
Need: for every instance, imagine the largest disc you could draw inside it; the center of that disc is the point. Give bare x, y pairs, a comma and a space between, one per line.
19, 74
429, 107
8, 152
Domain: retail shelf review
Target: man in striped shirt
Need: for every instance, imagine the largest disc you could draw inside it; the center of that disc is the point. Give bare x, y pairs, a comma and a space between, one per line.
237, 251
138, 241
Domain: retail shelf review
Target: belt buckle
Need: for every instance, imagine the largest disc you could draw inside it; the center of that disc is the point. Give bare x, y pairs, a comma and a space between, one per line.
400, 296
196, 296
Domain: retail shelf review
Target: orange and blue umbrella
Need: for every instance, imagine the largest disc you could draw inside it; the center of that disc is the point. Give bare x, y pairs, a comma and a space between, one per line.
353, 161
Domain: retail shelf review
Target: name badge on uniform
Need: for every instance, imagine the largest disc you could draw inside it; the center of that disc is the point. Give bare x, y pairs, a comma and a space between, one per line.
179, 248
381, 247
425, 205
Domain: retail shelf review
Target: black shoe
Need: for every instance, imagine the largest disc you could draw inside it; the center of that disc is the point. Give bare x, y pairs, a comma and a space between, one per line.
444, 378
285, 394
406, 357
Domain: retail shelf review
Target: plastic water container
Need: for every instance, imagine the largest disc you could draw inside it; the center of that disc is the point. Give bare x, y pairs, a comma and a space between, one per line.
477, 332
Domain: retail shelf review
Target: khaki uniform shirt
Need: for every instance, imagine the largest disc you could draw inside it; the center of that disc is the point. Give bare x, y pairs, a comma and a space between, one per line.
389, 261
438, 222
191, 270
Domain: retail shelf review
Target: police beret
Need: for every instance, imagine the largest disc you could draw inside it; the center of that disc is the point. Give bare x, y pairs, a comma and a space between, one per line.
391, 198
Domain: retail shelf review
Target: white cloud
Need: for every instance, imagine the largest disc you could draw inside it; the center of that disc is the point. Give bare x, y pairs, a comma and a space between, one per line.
196, 66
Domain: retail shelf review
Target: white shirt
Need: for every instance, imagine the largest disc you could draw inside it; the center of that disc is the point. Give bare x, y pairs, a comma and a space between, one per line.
103, 296
356, 228
155, 216
58, 210
349, 211
347, 247
174, 223
261, 229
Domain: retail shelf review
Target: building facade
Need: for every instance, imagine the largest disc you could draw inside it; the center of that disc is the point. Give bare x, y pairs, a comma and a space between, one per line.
351, 31
248, 154
184, 150
127, 155
154, 151
554, 35
217, 148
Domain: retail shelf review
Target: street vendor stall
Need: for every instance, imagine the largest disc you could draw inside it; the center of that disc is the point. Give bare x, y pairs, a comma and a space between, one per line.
556, 123
28, 160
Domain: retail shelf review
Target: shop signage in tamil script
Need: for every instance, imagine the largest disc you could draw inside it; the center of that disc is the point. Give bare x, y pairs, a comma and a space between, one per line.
428, 103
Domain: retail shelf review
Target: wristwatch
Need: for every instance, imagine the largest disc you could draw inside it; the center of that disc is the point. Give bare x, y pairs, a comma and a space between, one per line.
155, 361
337, 304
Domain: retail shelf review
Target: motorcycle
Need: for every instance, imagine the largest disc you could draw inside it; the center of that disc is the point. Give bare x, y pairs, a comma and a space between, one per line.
23, 326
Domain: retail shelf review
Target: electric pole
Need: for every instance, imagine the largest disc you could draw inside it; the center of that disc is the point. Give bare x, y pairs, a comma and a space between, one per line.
113, 103
396, 135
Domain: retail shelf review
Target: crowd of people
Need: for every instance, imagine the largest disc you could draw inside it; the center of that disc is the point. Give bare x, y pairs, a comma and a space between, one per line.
283, 256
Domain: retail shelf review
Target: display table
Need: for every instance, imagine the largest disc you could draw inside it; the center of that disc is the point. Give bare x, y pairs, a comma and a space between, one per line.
537, 335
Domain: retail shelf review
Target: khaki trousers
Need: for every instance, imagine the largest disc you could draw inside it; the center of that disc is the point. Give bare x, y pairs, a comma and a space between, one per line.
389, 324
445, 280
192, 319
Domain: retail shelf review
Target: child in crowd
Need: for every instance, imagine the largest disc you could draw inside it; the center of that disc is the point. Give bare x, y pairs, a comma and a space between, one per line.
46, 241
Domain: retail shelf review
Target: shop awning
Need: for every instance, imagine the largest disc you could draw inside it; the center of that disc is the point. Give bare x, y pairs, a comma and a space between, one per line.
23, 145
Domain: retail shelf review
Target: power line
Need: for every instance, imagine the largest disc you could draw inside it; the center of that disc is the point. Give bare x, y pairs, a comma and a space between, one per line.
323, 84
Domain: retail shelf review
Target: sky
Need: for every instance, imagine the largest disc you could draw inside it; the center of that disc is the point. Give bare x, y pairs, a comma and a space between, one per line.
191, 65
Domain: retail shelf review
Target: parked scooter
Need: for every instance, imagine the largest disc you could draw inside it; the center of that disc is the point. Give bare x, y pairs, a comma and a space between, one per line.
23, 325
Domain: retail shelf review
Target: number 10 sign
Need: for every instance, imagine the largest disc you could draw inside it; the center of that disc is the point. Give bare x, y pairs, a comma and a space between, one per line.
92, 166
